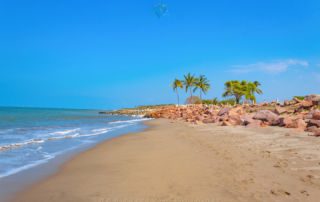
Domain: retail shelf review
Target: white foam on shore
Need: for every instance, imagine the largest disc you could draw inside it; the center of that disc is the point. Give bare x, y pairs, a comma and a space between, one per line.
130, 121
25, 167
65, 134
59, 135
65, 131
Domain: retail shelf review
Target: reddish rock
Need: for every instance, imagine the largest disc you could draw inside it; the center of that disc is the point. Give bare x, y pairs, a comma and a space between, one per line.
316, 133
208, 121
285, 122
299, 124
237, 111
224, 111
280, 110
226, 123
306, 104
246, 119
254, 124
316, 115
315, 99
312, 129
314, 123
234, 119
266, 115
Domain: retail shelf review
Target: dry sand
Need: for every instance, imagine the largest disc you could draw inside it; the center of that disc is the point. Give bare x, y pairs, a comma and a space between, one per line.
175, 161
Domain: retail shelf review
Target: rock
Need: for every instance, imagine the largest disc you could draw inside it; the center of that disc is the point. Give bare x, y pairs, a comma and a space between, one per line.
254, 124
316, 133
234, 119
224, 111
313, 122
306, 104
266, 115
315, 99
226, 123
285, 122
316, 115
208, 121
299, 124
312, 129
280, 110
247, 119
237, 110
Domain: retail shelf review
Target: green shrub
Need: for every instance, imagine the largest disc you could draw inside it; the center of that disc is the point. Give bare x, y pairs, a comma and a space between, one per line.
214, 101
299, 97
228, 101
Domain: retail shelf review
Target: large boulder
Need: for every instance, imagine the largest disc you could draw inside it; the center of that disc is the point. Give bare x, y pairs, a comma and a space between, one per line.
285, 122
299, 124
224, 111
247, 119
280, 110
315, 99
209, 120
316, 115
313, 122
254, 124
234, 119
306, 104
239, 110
267, 115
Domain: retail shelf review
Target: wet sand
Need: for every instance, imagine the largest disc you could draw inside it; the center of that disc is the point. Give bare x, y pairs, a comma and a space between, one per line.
176, 161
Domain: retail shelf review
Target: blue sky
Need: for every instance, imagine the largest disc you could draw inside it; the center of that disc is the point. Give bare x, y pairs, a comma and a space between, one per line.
110, 54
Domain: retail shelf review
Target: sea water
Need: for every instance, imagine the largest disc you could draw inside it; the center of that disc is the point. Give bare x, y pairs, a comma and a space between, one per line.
31, 136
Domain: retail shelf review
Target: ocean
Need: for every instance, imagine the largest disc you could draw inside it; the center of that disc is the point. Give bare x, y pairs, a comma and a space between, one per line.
32, 136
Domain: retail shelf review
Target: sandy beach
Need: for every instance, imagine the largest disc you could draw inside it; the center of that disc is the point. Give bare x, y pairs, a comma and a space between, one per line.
177, 161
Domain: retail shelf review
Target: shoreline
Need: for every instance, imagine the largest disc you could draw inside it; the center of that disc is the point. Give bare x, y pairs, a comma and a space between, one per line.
15, 183
172, 160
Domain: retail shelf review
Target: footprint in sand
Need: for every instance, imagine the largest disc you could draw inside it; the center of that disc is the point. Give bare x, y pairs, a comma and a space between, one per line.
304, 192
280, 192
308, 179
281, 164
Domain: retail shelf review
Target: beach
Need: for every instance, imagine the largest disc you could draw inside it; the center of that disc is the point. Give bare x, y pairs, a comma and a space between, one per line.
178, 161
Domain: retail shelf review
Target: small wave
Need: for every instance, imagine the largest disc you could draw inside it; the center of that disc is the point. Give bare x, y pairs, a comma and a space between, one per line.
68, 136
25, 167
65, 131
16, 145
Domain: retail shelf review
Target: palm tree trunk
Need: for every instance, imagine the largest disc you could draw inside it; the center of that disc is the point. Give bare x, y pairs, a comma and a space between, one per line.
177, 96
237, 99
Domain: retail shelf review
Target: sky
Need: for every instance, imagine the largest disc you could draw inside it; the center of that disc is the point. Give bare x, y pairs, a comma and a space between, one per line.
107, 54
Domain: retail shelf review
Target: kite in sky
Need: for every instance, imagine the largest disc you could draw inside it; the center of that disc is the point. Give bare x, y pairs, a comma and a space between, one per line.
161, 10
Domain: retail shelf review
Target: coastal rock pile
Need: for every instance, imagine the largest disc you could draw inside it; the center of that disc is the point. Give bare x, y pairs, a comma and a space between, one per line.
302, 115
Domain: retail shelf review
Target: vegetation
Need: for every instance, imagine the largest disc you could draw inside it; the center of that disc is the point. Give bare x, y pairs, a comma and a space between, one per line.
202, 84
238, 90
215, 101
175, 85
190, 82
299, 97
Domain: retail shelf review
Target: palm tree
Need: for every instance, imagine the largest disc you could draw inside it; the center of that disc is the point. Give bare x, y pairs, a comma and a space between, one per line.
244, 88
235, 88
202, 84
189, 82
252, 88
175, 85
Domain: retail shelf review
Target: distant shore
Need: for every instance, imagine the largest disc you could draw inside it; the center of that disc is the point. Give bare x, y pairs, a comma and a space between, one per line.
174, 160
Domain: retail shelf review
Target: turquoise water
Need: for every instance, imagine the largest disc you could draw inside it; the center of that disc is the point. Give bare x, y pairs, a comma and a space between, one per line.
31, 136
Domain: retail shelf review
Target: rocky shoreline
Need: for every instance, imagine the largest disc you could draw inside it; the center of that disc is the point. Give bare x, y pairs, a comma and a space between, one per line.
302, 115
